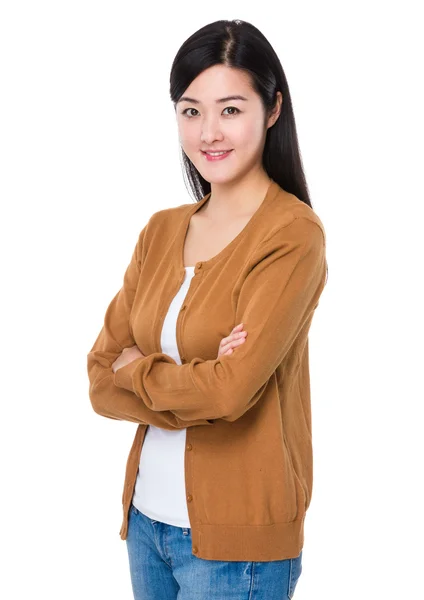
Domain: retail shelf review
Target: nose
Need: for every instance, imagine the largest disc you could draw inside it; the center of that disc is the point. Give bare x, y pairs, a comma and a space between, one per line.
210, 130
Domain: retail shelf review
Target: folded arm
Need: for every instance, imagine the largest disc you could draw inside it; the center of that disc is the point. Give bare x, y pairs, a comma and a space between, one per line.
276, 301
106, 397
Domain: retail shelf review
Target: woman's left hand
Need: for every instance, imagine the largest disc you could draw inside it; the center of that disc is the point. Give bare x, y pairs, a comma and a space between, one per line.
127, 356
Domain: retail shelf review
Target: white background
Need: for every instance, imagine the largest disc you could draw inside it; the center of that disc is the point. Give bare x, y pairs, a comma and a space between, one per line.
89, 151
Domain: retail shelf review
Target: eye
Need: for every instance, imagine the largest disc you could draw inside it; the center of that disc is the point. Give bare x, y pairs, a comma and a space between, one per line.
185, 112
232, 108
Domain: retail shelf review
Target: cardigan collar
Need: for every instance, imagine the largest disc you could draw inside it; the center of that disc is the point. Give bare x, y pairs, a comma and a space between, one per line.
203, 265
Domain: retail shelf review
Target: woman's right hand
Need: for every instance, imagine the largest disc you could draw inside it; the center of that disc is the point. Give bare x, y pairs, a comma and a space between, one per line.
236, 337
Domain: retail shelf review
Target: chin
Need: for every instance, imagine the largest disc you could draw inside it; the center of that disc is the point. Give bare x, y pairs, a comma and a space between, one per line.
218, 179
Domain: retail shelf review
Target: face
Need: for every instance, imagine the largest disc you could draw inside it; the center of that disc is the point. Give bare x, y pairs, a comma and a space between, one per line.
220, 111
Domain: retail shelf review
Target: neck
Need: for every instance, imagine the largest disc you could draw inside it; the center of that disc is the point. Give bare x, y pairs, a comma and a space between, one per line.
237, 198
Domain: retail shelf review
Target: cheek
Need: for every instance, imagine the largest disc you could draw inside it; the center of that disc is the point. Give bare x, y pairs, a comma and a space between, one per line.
249, 137
189, 140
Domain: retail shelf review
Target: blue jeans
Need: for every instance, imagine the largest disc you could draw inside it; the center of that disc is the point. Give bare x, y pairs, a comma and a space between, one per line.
162, 567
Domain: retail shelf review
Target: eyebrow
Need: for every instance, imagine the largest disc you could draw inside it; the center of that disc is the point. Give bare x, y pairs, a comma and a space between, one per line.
219, 101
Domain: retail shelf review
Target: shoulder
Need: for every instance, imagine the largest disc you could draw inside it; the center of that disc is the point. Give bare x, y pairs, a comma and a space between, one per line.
288, 216
171, 213
165, 221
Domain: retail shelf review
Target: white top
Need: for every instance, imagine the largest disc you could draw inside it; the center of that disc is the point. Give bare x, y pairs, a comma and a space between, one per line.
160, 485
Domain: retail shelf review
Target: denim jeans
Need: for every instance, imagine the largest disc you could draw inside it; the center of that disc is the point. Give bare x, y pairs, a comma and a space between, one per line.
162, 567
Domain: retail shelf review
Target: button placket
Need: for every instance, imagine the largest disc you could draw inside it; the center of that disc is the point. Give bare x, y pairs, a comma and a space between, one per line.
183, 308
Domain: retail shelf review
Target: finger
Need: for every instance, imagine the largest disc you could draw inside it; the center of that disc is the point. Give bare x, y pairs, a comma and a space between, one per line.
232, 344
234, 336
235, 332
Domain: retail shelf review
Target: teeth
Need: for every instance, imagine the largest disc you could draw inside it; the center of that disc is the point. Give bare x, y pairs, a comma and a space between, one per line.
216, 153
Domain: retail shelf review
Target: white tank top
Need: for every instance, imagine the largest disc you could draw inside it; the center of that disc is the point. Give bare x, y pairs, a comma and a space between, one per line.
160, 485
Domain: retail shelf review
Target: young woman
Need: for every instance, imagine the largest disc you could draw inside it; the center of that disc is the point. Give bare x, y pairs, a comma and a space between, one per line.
205, 346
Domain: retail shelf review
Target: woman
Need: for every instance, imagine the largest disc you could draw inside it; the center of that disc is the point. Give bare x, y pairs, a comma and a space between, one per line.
206, 344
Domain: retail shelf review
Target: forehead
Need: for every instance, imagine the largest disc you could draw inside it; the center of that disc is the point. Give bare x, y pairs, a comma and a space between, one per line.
218, 81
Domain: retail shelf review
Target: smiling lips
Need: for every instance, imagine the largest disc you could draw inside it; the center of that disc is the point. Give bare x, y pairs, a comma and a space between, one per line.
216, 155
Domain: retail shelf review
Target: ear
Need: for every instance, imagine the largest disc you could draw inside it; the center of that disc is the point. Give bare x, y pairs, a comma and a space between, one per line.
275, 113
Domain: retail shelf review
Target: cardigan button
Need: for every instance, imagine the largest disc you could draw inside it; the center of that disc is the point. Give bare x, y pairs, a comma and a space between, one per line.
199, 265
189, 446
189, 498
195, 550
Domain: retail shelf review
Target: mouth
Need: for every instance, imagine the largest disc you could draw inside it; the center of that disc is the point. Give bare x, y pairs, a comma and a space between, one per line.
215, 155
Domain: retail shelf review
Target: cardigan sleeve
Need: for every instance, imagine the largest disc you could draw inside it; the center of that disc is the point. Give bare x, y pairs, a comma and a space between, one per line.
276, 301
108, 399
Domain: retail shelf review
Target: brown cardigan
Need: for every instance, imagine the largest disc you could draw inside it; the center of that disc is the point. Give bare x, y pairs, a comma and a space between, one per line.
248, 459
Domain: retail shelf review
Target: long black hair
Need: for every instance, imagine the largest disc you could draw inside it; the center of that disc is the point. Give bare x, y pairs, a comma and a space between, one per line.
239, 44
